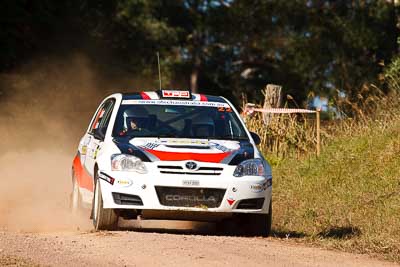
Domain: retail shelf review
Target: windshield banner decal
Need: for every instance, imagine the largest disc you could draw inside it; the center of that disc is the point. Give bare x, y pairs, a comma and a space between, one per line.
174, 102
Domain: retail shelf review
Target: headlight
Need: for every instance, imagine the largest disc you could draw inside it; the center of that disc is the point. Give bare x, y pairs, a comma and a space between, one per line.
251, 167
124, 162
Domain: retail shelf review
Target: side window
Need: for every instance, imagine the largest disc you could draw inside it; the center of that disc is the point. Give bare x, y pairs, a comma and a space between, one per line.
107, 115
103, 116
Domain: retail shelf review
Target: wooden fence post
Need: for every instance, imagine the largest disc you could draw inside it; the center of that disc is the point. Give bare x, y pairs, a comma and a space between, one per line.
272, 99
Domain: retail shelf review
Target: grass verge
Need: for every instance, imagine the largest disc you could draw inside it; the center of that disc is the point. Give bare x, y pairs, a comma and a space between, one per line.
349, 197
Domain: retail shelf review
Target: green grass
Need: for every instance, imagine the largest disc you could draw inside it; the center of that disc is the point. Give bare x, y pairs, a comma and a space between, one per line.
348, 198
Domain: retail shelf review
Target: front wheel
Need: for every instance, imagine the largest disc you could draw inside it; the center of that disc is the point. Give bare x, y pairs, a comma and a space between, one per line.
260, 224
103, 219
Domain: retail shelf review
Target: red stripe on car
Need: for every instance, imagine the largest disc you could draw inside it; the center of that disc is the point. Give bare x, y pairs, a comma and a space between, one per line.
82, 176
203, 98
173, 156
145, 96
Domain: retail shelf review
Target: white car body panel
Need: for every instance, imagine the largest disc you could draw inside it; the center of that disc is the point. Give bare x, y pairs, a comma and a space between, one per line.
95, 155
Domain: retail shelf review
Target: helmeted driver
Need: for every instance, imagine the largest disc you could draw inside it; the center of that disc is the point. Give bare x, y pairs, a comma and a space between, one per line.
135, 120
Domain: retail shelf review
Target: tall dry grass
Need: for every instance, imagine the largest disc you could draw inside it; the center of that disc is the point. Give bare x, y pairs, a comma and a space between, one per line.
372, 107
294, 135
287, 135
348, 198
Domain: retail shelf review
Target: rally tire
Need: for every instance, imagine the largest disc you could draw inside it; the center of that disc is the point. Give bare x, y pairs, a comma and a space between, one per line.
260, 224
227, 227
103, 219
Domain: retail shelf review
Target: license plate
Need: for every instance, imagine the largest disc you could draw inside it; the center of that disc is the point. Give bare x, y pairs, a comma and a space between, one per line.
191, 182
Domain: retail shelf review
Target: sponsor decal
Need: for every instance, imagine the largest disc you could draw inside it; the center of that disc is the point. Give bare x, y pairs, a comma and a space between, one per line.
184, 141
106, 178
191, 198
220, 147
256, 188
191, 182
83, 150
224, 109
224, 146
230, 201
175, 94
124, 182
95, 152
174, 102
150, 145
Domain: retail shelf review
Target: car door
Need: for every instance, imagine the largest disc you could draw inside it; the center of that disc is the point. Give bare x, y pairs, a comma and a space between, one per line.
97, 132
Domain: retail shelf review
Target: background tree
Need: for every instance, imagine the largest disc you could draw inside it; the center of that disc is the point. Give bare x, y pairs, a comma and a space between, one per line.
226, 47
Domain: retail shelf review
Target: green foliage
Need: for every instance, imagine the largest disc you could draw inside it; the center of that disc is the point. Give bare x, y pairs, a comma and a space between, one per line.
392, 74
224, 47
319, 45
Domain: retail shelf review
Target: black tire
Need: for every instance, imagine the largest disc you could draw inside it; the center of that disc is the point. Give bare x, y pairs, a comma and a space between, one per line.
103, 219
260, 224
227, 227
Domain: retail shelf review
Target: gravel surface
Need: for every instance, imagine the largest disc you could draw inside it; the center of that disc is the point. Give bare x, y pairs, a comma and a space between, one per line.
164, 248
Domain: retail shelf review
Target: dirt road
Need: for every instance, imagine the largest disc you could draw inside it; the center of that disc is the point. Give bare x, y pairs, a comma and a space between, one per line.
36, 228
164, 248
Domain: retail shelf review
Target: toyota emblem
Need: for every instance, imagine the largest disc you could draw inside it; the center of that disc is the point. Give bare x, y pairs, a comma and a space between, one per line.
190, 165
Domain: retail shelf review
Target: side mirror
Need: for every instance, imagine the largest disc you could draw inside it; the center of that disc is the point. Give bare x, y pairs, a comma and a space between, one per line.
256, 138
100, 133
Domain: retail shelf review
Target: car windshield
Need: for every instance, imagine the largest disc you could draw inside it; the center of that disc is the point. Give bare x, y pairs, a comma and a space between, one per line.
179, 121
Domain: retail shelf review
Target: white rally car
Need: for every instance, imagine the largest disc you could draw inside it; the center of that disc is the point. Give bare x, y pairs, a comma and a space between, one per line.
172, 155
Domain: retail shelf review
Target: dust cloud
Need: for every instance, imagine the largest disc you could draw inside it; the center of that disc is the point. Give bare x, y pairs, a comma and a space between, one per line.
44, 109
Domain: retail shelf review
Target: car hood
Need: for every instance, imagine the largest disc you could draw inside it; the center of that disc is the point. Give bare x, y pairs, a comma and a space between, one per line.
230, 152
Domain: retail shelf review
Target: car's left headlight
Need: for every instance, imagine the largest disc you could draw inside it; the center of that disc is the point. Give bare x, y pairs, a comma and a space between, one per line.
124, 162
251, 167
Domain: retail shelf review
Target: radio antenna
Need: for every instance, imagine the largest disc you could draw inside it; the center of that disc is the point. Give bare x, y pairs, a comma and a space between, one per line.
159, 68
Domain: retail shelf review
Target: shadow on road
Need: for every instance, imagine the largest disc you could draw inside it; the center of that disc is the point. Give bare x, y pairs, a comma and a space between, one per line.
168, 226
193, 228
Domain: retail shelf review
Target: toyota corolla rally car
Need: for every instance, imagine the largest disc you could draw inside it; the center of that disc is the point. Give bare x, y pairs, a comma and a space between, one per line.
171, 155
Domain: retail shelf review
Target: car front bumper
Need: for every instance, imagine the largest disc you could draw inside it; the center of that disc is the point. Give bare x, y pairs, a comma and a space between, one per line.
156, 191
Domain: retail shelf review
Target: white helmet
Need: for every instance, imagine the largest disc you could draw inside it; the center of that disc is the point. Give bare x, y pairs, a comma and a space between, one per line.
137, 114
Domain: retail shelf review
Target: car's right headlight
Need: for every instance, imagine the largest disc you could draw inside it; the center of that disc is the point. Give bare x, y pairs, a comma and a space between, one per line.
124, 162
251, 167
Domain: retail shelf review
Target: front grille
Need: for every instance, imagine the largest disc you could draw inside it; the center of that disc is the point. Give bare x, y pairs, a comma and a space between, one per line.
167, 167
190, 173
251, 204
172, 169
126, 199
210, 169
190, 197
